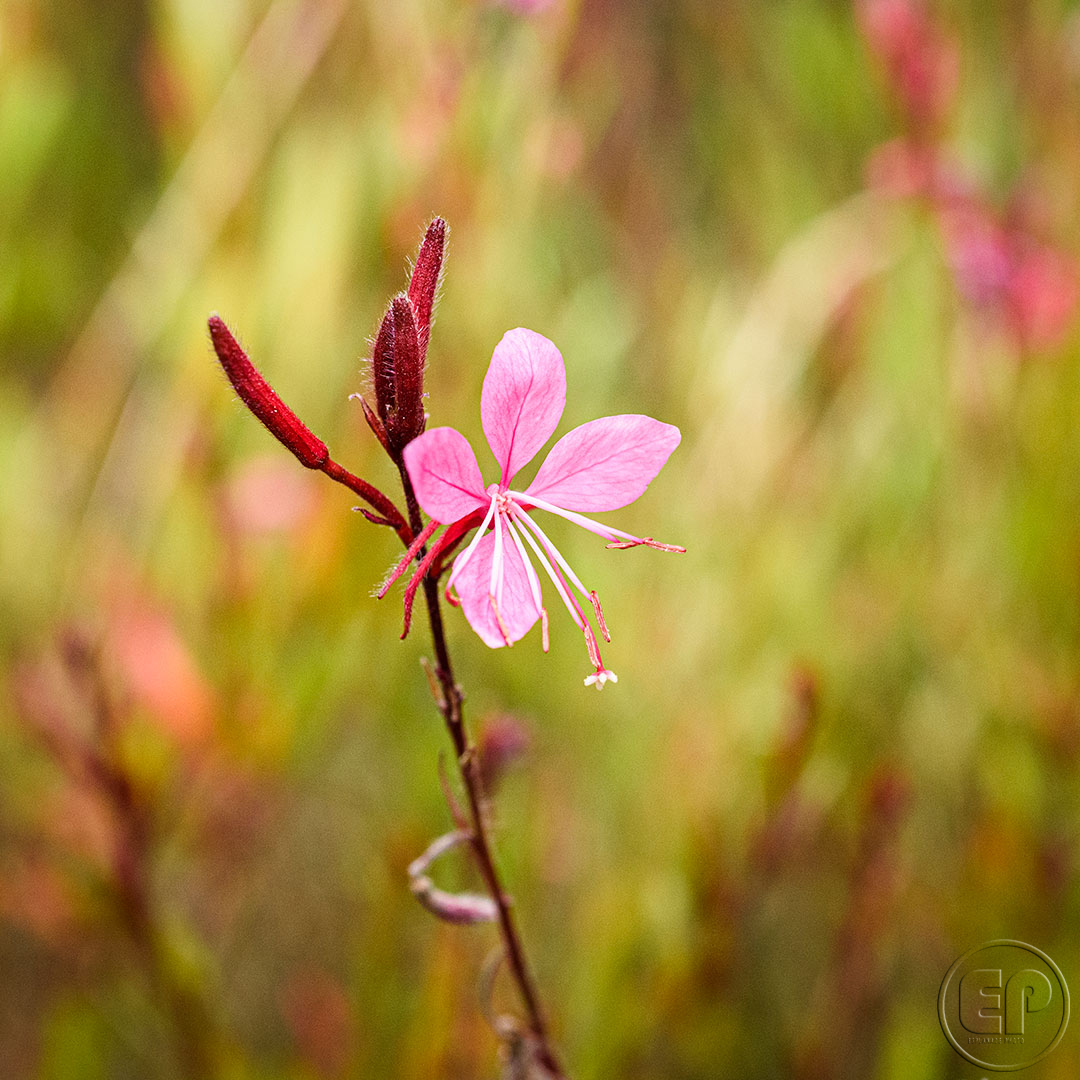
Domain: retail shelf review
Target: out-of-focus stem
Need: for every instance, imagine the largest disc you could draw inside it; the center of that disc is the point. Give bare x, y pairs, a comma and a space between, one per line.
130, 868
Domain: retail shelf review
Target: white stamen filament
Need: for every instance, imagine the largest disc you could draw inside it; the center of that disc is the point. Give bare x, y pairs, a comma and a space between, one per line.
495, 585
556, 554
468, 553
530, 572
594, 652
606, 531
566, 598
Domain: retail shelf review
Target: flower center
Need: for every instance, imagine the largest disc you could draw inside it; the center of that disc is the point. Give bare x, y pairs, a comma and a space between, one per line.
514, 528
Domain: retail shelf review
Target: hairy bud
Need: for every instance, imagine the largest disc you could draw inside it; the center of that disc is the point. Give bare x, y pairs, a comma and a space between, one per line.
259, 396
424, 285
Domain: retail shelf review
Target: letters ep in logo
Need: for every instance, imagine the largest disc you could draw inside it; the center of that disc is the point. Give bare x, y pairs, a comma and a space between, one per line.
1004, 1005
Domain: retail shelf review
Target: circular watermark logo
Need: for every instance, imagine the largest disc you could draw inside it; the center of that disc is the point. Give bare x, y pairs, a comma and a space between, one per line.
1004, 1005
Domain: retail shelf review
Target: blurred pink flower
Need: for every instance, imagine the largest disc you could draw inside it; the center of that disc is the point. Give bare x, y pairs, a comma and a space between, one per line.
527, 7
999, 266
316, 1009
267, 495
1042, 296
920, 61
1005, 272
602, 465
978, 251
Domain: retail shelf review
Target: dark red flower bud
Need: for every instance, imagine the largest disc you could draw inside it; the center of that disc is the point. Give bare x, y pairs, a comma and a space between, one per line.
259, 396
401, 347
382, 366
407, 420
424, 285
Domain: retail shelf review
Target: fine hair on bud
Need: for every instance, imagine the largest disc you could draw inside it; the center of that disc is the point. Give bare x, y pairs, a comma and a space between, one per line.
424, 283
407, 419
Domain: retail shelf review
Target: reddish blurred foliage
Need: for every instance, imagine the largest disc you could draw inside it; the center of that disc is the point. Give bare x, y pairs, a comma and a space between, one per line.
722, 899
888, 796
854, 988
93, 835
47, 702
96, 813
792, 745
791, 823
556, 149
37, 896
163, 87
427, 123
791, 835
978, 252
1042, 296
157, 669
233, 820
77, 820
317, 1012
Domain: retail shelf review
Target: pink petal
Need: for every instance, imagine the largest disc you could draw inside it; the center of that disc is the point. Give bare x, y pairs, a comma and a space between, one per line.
605, 463
523, 398
518, 608
444, 473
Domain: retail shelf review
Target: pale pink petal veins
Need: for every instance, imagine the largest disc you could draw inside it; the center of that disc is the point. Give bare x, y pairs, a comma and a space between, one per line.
518, 607
445, 475
606, 463
523, 398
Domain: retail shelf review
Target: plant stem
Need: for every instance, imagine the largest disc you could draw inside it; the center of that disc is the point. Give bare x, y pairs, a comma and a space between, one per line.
452, 709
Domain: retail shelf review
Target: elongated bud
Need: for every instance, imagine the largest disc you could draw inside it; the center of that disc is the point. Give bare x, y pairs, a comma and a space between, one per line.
424, 285
382, 366
259, 396
407, 420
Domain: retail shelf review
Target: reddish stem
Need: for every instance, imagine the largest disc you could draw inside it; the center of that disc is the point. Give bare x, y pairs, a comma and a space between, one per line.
468, 760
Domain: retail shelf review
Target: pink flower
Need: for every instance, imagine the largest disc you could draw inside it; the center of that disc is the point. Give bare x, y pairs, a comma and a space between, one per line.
602, 465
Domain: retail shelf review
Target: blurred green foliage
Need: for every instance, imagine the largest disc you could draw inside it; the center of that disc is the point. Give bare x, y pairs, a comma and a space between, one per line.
844, 744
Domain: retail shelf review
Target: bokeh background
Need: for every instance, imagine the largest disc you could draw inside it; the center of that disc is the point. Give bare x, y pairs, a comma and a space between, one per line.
833, 242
